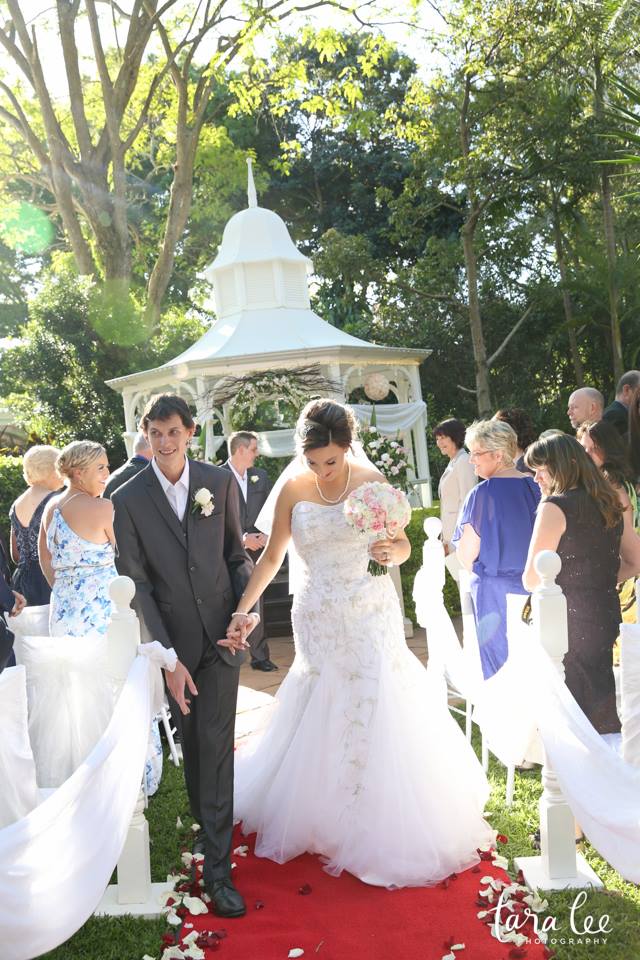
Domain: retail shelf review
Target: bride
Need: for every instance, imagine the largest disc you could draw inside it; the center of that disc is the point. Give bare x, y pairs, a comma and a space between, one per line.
361, 761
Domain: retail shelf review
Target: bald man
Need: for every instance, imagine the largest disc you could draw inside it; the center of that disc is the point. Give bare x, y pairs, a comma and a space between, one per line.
585, 405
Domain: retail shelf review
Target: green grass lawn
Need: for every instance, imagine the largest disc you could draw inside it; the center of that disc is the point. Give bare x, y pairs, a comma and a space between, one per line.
130, 939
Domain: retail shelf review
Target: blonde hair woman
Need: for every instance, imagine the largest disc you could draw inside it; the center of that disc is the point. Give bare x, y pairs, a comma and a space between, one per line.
77, 544
493, 533
39, 471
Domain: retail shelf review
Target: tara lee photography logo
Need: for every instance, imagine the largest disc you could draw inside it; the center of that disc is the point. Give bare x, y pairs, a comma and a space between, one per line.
585, 928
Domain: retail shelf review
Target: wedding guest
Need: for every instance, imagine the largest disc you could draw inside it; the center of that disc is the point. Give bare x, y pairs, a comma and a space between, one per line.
607, 449
582, 519
617, 413
633, 448
254, 489
77, 543
77, 554
525, 431
13, 603
142, 454
39, 471
604, 445
587, 403
458, 478
493, 533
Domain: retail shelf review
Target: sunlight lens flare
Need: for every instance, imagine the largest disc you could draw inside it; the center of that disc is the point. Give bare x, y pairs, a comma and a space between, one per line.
24, 228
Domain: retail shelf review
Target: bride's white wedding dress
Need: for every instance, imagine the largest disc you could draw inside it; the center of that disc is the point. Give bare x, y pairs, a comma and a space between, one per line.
361, 760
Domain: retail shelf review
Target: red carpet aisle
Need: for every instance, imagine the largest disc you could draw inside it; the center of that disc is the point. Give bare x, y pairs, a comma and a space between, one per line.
298, 905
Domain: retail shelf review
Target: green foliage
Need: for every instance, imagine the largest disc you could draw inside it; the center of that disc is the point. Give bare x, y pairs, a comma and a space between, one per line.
80, 334
11, 486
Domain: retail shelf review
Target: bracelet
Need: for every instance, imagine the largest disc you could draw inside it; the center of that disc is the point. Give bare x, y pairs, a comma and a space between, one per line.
239, 613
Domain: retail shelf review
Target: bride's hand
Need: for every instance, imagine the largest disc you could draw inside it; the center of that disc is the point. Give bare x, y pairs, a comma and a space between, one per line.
384, 551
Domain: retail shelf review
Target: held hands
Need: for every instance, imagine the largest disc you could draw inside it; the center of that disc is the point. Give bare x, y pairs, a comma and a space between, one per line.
176, 683
238, 630
384, 551
254, 541
20, 604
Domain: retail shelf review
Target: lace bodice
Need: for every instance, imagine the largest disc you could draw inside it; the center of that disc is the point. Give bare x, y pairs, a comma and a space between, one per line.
327, 545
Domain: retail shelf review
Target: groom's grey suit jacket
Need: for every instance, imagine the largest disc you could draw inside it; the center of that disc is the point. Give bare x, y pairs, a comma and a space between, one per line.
189, 576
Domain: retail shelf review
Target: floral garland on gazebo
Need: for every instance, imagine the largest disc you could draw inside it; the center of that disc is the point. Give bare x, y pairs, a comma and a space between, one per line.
271, 400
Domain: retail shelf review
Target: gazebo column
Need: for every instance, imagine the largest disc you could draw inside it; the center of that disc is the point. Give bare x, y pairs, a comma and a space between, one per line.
419, 432
203, 407
129, 399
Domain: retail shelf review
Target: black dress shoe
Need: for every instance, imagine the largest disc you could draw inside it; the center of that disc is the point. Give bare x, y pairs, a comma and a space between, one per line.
226, 900
265, 665
199, 842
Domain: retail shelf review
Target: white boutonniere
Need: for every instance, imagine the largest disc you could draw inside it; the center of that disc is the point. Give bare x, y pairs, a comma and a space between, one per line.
203, 501
254, 478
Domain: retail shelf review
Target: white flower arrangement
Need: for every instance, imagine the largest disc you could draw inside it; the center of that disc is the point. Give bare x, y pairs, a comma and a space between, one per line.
254, 478
203, 501
389, 455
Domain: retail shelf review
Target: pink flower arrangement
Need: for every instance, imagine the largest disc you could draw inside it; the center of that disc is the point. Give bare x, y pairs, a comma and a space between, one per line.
377, 510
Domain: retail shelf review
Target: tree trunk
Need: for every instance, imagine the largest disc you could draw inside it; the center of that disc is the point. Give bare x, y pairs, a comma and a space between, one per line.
609, 231
567, 304
178, 214
483, 393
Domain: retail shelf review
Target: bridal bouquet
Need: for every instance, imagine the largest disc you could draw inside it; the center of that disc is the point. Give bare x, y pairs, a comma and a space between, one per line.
378, 511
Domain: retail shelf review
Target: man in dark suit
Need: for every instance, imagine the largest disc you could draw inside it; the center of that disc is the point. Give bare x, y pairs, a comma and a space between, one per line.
11, 603
254, 489
142, 454
177, 527
617, 412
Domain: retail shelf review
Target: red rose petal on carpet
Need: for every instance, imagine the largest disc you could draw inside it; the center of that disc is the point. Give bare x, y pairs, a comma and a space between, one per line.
349, 920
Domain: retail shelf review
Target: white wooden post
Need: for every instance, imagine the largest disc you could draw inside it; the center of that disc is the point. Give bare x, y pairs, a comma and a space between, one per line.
630, 687
134, 893
559, 867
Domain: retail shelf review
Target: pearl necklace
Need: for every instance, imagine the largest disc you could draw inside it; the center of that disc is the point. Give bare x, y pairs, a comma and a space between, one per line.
326, 499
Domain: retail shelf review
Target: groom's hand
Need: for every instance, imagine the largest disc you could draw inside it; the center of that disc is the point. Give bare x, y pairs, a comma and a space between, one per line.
176, 683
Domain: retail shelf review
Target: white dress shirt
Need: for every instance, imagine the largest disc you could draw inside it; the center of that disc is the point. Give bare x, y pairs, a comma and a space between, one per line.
243, 481
176, 493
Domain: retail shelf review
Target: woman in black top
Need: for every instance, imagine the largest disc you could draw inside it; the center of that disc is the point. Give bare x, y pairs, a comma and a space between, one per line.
582, 519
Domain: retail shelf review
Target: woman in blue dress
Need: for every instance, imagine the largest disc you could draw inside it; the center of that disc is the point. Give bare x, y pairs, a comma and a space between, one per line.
77, 553
493, 533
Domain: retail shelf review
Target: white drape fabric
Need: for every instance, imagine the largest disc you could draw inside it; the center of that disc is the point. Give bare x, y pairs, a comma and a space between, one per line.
391, 417
70, 700
18, 788
528, 695
55, 863
630, 683
277, 443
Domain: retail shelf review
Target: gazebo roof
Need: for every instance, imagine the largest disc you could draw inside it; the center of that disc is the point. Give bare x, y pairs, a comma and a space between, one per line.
279, 329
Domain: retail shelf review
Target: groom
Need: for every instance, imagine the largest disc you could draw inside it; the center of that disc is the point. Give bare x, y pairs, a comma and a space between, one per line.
177, 527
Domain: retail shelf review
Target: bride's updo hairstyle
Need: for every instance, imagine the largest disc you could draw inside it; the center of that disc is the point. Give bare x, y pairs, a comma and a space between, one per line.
323, 422
77, 456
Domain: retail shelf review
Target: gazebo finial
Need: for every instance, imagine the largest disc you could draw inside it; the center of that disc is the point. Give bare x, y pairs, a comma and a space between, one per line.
252, 196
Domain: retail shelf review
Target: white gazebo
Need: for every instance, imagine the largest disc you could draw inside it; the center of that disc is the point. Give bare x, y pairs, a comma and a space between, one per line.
265, 322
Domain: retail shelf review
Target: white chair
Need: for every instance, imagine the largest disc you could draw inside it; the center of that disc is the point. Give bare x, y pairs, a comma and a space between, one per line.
19, 794
165, 716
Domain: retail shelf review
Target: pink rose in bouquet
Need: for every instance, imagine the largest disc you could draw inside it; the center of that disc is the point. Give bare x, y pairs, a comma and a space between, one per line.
377, 511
